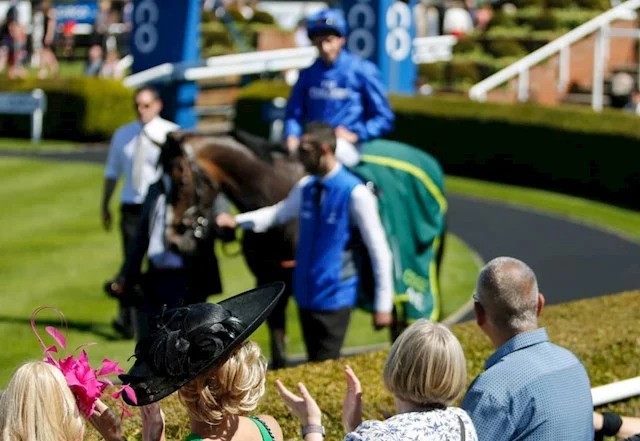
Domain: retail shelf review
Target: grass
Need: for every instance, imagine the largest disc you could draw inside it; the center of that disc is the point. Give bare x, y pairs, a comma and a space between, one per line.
56, 253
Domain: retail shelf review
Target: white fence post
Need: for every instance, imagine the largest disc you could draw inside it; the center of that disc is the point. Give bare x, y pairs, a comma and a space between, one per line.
37, 115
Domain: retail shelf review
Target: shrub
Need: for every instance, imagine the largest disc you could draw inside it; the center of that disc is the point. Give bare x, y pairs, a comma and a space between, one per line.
236, 15
432, 72
597, 5
466, 44
545, 21
211, 36
608, 349
560, 4
77, 108
500, 18
464, 71
506, 48
262, 17
507, 32
559, 148
574, 17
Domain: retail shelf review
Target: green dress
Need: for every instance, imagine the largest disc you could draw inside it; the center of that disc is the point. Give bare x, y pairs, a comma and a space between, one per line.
264, 431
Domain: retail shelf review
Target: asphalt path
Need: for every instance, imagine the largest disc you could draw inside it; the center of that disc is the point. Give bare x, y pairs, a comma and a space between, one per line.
572, 260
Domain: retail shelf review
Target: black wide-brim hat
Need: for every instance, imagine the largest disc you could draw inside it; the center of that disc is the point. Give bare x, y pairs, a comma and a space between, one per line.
191, 339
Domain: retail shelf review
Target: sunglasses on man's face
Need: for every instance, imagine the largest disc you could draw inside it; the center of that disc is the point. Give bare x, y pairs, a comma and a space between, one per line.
143, 105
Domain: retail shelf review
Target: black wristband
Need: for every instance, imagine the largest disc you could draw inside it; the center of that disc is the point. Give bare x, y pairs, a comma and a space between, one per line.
611, 423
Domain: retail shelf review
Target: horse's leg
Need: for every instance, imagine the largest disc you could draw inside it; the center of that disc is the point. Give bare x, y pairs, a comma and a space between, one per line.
264, 255
276, 321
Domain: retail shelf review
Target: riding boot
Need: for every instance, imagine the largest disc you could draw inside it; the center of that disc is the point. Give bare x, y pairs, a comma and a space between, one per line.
278, 340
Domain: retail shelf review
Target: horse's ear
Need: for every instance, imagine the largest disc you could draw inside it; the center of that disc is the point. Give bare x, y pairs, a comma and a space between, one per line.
177, 136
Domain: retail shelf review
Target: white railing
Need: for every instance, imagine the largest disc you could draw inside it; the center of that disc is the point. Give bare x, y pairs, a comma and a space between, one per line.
620, 390
425, 50
254, 62
161, 72
520, 69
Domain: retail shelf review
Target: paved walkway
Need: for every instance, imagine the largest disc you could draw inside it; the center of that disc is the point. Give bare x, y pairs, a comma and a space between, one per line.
572, 260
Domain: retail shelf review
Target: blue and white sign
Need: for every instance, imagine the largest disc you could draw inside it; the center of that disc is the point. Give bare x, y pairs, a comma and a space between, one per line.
78, 12
167, 31
382, 31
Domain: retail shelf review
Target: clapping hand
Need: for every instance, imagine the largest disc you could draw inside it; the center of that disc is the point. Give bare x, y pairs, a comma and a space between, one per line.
106, 422
352, 404
304, 407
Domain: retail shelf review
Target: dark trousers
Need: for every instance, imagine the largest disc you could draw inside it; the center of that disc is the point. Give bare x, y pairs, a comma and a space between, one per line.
323, 332
163, 289
130, 215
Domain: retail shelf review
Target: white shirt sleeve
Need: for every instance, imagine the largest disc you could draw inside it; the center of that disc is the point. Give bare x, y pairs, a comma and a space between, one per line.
364, 212
264, 218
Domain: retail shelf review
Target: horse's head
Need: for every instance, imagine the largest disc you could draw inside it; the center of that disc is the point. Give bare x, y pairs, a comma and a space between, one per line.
192, 194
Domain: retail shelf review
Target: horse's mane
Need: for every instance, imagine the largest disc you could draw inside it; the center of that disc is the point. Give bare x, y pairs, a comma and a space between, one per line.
251, 177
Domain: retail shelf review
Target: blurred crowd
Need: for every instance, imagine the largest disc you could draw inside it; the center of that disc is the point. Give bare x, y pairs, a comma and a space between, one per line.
34, 36
451, 17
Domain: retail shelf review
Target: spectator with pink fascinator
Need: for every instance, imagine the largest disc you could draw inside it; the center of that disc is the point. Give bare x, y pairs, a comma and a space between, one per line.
49, 400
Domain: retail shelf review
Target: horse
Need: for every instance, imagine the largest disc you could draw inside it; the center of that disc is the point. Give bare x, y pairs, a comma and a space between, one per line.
202, 166
254, 174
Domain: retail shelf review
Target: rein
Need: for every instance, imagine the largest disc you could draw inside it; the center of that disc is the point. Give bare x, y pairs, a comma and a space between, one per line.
196, 211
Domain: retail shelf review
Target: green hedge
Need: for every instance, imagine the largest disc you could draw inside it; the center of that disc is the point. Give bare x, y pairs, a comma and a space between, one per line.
569, 149
607, 346
82, 109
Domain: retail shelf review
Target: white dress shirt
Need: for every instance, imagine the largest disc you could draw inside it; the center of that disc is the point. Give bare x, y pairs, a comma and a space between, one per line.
363, 211
122, 151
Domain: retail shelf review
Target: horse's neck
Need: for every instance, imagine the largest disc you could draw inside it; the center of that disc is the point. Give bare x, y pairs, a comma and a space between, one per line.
249, 182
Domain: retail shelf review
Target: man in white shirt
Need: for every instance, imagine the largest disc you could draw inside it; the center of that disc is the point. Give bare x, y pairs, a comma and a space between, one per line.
330, 204
134, 155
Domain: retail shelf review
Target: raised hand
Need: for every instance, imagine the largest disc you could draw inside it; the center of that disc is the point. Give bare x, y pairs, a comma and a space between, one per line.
152, 422
352, 404
106, 422
304, 407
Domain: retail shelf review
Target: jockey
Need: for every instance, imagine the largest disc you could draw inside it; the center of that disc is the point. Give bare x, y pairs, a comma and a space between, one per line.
340, 89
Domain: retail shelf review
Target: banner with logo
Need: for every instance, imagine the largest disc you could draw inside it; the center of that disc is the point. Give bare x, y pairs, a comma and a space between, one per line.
382, 31
167, 31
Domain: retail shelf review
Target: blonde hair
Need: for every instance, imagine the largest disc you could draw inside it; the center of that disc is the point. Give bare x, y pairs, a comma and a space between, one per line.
426, 365
232, 388
39, 406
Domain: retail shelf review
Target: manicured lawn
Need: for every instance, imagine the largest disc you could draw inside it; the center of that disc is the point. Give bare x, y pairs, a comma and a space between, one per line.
54, 252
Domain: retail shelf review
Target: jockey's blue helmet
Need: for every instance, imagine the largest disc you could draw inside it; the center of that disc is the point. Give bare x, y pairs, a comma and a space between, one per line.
327, 21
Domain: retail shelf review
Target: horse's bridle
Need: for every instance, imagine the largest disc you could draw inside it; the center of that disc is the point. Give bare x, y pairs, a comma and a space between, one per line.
194, 222
200, 221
